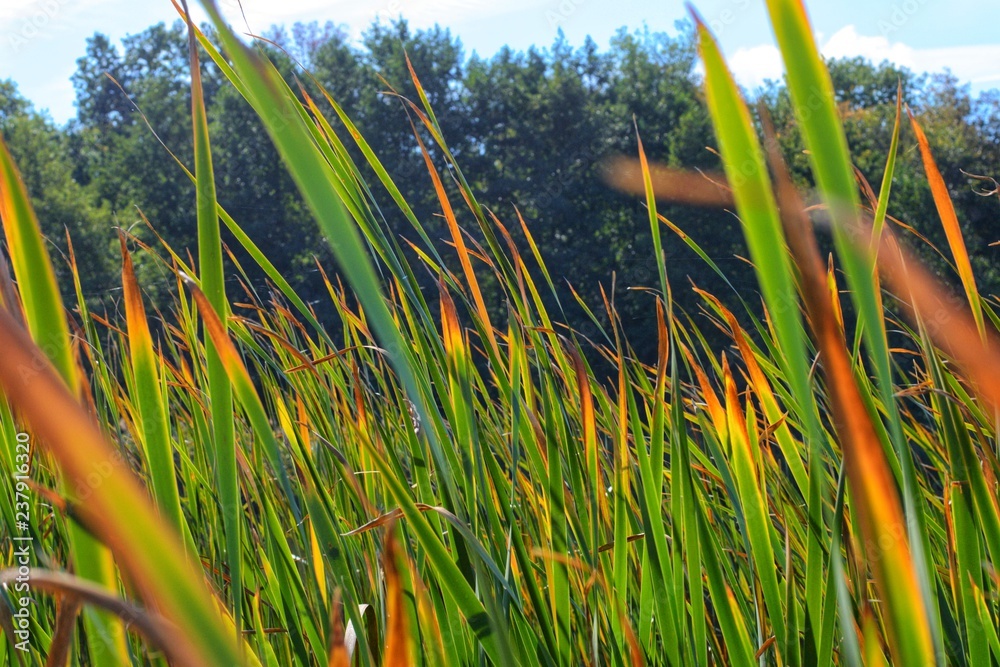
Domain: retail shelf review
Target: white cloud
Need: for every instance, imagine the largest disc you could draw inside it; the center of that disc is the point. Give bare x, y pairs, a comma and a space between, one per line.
846, 42
752, 66
978, 65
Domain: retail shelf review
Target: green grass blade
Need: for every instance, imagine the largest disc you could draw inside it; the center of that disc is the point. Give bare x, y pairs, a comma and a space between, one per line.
116, 509
743, 160
812, 95
46, 322
887, 174
309, 170
213, 283
152, 412
745, 168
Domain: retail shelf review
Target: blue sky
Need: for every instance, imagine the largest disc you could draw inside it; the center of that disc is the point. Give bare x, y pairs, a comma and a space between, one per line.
40, 40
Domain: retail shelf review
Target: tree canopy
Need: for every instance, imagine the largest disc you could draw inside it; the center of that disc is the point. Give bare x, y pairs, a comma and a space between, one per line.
531, 130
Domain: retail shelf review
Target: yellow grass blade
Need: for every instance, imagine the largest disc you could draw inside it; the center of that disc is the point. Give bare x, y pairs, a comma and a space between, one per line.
152, 412
886, 546
116, 508
463, 252
397, 637
949, 220
46, 322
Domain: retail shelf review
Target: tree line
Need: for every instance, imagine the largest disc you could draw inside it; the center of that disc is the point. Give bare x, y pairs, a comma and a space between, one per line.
531, 129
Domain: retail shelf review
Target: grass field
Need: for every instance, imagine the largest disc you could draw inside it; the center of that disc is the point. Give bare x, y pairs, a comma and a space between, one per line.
227, 482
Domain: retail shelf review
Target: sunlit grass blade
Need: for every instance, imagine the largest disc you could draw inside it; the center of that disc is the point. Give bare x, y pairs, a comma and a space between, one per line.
883, 524
649, 192
887, 174
155, 427
116, 509
949, 220
213, 284
46, 322
739, 650
429, 119
769, 402
872, 646
43, 306
746, 171
743, 160
811, 90
458, 239
988, 624
754, 505
397, 636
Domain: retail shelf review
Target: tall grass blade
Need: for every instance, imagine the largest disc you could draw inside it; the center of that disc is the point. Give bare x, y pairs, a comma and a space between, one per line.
116, 510
46, 322
949, 220
887, 174
213, 283
882, 521
155, 427
746, 172
294, 142
811, 90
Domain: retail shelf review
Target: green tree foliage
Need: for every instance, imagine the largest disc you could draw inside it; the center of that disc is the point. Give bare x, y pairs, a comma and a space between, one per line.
531, 130
963, 136
62, 204
117, 154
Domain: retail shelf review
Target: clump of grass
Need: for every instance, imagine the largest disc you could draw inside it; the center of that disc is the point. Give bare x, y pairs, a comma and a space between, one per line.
421, 486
